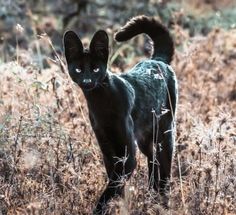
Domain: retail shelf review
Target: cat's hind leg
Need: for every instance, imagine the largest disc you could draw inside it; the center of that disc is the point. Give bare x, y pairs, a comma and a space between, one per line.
157, 146
147, 147
164, 152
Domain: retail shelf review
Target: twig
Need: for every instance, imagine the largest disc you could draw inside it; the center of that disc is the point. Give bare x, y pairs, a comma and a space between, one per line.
181, 183
17, 136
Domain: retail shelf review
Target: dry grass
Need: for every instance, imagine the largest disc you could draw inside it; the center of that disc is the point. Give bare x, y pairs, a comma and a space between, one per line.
50, 162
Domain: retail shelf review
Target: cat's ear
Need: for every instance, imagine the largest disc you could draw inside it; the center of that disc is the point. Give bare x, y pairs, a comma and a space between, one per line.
73, 46
99, 45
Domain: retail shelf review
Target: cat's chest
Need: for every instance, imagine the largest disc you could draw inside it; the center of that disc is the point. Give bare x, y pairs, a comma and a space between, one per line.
105, 112
110, 104
105, 121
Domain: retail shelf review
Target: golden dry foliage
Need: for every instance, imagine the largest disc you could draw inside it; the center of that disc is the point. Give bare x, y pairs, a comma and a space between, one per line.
50, 162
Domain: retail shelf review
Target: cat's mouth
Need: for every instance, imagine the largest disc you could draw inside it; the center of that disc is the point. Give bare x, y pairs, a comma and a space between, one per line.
88, 87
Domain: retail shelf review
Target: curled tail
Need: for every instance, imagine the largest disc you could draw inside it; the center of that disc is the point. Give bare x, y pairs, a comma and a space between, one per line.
163, 45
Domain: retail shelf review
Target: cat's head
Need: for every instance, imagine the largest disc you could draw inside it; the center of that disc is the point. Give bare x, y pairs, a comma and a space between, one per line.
87, 67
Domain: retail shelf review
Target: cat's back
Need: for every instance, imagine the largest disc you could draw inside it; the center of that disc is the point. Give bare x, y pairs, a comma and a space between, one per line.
150, 80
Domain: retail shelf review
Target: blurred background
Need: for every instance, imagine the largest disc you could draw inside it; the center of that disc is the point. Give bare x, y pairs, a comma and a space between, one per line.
23, 22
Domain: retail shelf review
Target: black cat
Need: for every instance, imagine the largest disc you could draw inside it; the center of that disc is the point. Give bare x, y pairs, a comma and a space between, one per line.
137, 106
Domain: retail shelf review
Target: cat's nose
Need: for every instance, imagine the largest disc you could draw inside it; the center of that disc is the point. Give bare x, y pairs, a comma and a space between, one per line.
87, 81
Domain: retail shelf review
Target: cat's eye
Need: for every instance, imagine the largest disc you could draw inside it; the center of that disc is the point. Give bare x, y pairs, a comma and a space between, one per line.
96, 70
78, 70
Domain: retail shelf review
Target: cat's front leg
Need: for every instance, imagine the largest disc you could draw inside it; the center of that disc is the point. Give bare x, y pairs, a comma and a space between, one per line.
119, 159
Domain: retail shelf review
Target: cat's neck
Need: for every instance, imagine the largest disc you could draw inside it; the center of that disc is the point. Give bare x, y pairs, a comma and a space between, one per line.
100, 92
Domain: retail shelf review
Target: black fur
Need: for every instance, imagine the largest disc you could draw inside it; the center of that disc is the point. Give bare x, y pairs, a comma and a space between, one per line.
137, 106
